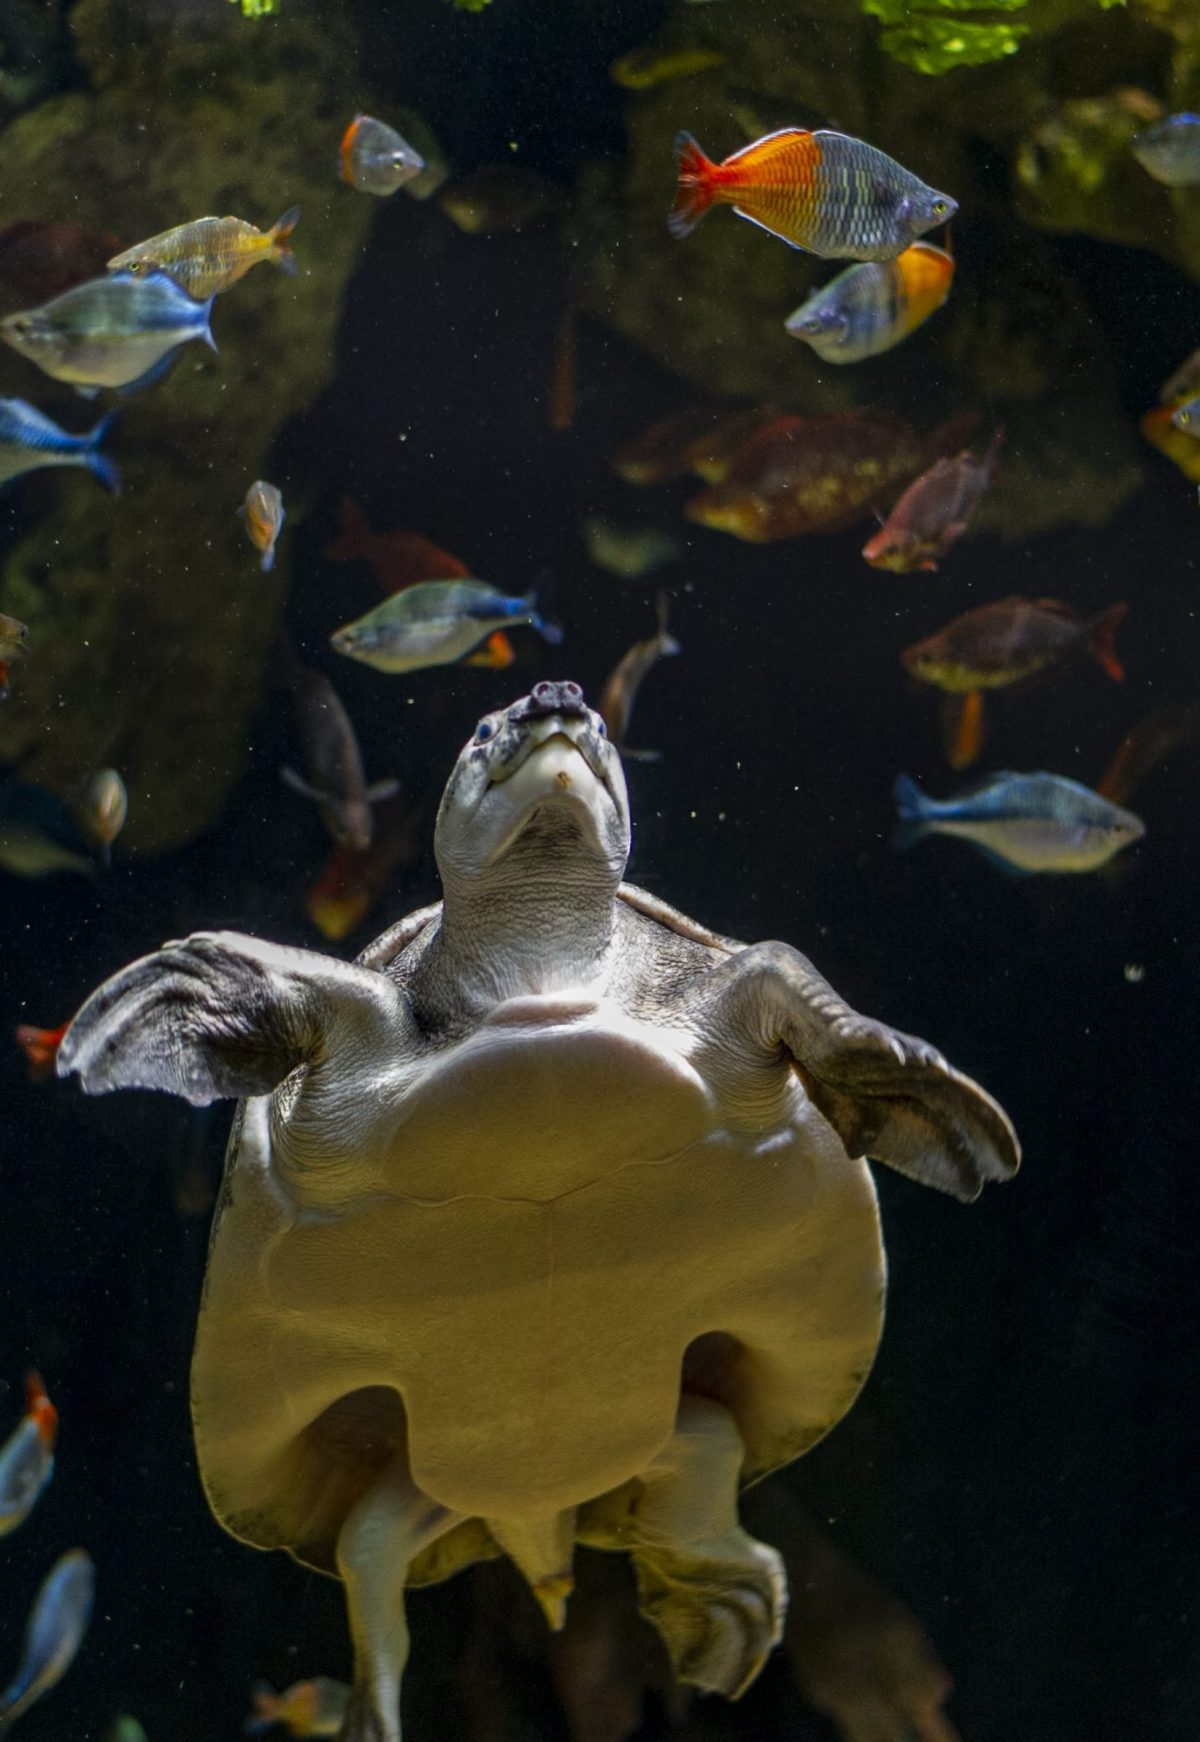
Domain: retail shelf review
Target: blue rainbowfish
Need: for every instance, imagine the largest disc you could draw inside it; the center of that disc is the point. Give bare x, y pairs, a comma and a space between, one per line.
1023, 822
118, 331
870, 307
312, 1708
1170, 150
53, 1634
27, 1457
29, 440
436, 623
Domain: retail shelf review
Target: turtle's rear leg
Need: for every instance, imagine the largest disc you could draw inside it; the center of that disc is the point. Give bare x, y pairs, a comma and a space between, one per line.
716, 1595
384, 1532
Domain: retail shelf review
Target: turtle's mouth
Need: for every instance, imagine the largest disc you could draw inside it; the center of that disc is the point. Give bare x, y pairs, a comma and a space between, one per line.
569, 738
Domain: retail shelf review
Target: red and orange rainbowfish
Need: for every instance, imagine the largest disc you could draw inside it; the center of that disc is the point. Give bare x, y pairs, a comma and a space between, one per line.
824, 192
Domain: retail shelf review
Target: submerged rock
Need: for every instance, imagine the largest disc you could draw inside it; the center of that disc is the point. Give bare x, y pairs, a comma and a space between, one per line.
152, 620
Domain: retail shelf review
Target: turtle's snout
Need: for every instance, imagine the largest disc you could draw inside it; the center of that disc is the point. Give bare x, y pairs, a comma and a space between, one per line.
550, 698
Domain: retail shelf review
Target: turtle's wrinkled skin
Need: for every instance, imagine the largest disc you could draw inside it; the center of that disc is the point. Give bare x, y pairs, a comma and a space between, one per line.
546, 1222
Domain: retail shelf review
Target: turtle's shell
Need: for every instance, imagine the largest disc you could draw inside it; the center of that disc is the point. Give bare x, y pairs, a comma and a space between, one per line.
568, 1224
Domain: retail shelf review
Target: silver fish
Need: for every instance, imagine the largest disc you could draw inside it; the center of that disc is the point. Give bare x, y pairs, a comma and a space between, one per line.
57, 1623
1024, 822
436, 623
118, 331
1170, 150
333, 768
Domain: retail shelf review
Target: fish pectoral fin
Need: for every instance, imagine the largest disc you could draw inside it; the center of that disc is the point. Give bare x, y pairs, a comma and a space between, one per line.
298, 784
382, 789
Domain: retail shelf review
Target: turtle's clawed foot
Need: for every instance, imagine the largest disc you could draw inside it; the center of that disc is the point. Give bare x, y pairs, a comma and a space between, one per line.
871, 1668
372, 1716
720, 1611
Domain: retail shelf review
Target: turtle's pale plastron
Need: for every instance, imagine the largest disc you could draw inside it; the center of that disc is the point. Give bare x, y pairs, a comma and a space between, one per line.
546, 1222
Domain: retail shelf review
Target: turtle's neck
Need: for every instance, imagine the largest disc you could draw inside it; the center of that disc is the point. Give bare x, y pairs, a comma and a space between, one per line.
541, 920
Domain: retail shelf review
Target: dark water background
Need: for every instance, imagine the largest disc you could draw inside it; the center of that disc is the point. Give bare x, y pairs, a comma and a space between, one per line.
1022, 1466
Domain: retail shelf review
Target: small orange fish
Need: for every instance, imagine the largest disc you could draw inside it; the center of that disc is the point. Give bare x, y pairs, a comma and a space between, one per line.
962, 728
312, 1708
933, 513
496, 654
823, 192
399, 558
40, 1046
264, 515
1147, 744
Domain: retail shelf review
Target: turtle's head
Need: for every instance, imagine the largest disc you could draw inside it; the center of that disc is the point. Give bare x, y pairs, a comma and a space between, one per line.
541, 782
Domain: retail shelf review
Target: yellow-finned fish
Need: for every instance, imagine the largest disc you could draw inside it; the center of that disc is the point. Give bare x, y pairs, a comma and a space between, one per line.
872, 306
312, 1708
209, 255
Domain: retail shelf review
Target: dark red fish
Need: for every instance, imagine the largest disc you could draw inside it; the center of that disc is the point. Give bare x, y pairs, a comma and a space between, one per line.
399, 558
1012, 639
933, 513
352, 882
40, 1046
672, 447
40, 260
813, 474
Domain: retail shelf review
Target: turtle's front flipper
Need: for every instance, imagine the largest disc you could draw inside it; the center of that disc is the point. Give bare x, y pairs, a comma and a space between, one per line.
384, 1532
887, 1095
220, 1014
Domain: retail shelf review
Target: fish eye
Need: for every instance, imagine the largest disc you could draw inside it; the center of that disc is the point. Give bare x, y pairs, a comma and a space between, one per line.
1183, 418
940, 208
483, 731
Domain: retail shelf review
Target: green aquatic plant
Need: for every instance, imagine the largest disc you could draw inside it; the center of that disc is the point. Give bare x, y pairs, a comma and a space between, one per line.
935, 36
256, 8
470, 5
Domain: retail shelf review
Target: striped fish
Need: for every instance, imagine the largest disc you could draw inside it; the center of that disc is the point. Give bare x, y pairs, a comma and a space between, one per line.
824, 192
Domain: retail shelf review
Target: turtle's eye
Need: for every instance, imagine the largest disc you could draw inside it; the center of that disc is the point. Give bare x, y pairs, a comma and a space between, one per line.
483, 731
601, 729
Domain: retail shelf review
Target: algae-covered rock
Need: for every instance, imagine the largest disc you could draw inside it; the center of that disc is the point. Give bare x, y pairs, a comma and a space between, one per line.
149, 617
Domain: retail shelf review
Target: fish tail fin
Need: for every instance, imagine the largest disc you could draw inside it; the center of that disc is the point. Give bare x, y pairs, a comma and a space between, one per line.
278, 252
207, 334
268, 560
1102, 643
352, 534
550, 632
40, 1046
694, 194
99, 464
40, 1408
913, 810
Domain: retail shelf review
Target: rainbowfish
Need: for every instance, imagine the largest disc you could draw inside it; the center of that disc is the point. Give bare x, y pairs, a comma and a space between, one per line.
209, 255
27, 1457
628, 551
101, 808
313, 1708
1179, 445
643, 68
933, 513
870, 307
696, 438
1187, 416
333, 768
1170, 150
499, 196
436, 623
118, 331
620, 692
264, 514
1006, 642
13, 638
29, 441
375, 159
53, 1634
1023, 822
824, 192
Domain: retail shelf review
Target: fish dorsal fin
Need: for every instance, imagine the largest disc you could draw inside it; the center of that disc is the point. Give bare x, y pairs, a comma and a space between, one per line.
1058, 607
757, 145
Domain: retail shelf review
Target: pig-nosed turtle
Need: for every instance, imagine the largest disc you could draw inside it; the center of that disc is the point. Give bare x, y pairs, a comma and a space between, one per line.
546, 1221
